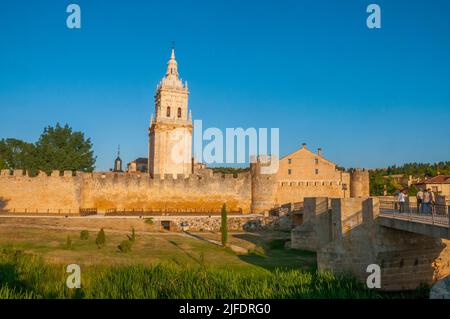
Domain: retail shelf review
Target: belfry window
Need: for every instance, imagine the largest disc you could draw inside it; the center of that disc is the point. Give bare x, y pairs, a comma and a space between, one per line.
168, 111
179, 112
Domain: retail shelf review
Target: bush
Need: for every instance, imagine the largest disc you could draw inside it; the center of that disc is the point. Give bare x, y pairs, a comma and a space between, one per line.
133, 235
224, 225
149, 221
68, 242
101, 238
84, 235
125, 246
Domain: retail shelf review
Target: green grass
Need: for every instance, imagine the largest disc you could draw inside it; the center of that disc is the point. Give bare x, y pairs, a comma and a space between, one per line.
28, 276
33, 261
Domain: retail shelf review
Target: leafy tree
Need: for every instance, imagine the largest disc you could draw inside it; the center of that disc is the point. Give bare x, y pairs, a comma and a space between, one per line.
224, 225
101, 238
60, 148
17, 154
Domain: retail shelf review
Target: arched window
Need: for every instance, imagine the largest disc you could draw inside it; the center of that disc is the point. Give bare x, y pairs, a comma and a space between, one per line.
179, 112
168, 111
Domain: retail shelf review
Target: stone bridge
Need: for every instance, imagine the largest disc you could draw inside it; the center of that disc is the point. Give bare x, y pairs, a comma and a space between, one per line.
349, 234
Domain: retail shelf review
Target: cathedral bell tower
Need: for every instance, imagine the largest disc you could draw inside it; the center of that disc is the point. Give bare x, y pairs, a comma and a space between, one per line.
170, 132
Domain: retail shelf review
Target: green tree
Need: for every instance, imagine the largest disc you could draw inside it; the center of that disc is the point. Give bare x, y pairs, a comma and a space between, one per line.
60, 148
101, 238
224, 225
17, 154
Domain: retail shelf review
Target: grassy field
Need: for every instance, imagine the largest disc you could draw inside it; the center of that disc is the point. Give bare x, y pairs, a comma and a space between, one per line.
154, 248
164, 265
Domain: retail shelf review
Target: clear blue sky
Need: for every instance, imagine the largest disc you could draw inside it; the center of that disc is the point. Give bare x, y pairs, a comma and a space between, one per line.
369, 98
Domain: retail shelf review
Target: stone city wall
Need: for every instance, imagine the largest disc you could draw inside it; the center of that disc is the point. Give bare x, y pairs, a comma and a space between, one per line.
122, 191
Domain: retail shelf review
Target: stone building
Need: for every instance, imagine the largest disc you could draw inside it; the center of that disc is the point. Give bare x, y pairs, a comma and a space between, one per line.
118, 162
439, 184
138, 165
304, 165
170, 132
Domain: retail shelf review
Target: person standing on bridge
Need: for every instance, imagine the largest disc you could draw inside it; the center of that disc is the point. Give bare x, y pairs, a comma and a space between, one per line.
402, 200
419, 197
433, 200
426, 203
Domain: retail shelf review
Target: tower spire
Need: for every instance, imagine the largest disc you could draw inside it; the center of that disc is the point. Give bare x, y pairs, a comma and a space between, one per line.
172, 56
172, 65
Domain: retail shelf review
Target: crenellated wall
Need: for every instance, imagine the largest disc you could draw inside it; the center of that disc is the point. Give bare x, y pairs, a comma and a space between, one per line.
133, 191
122, 191
255, 191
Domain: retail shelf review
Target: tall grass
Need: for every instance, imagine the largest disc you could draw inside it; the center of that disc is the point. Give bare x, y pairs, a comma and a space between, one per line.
27, 276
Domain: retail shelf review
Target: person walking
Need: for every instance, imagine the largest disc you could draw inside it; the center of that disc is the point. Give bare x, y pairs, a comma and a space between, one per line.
419, 197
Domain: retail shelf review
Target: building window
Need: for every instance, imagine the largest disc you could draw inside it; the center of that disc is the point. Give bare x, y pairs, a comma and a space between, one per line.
316, 161
317, 171
289, 160
179, 112
289, 171
168, 111
434, 189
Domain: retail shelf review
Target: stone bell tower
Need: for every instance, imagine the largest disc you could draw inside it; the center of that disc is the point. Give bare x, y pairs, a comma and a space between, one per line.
170, 132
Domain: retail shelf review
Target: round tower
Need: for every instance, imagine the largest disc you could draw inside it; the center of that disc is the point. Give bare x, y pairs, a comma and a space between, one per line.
359, 183
264, 185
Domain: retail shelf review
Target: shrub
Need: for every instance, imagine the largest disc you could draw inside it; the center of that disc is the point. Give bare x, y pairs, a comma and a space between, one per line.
149, 221
224, 226
68, 242
133, 235
125, 246
84, 235
101, 238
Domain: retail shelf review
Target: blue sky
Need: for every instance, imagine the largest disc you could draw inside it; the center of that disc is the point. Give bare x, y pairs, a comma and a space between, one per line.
369, 98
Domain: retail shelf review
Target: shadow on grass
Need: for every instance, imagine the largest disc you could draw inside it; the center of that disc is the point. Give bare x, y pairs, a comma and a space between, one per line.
197, 260
273, 255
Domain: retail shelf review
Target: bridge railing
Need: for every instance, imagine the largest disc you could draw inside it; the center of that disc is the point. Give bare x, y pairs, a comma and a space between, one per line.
436, 214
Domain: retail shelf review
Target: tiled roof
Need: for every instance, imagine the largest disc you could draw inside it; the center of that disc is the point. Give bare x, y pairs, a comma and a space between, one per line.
440, 179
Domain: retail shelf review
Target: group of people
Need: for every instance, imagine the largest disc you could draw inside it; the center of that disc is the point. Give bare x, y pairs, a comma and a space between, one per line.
425, 201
